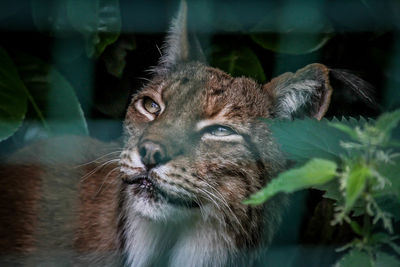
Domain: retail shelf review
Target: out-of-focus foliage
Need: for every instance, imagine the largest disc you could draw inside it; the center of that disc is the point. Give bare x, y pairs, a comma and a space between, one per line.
300, 29
309, 138
53, 99
115, 59
238, 62
367, 179
26, 82
99, 21
13, 97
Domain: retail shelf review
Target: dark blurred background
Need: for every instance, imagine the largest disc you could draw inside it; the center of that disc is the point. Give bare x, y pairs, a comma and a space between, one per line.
81, 61
261, 39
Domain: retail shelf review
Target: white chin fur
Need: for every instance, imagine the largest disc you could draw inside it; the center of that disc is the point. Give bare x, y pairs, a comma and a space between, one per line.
158, 211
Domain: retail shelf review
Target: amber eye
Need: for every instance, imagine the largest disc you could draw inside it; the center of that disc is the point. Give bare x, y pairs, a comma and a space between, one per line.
151, 106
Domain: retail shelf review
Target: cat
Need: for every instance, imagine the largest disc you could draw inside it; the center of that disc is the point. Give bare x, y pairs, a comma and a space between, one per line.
172, 193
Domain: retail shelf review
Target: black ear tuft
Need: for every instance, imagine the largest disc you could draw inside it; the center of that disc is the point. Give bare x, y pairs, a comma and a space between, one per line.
361, 89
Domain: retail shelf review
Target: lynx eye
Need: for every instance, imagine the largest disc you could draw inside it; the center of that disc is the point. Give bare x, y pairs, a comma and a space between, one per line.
219, 130
151, 106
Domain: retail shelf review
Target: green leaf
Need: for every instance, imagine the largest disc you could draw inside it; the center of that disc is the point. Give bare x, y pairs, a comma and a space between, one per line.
388, 121
355, 183
316, 171
284, 30
389, 203
385, 239
238, 62
331, 190
99, 21
356, 227
379, 238
395, 247
344, 128
13, 101
391, 171
51, 17
355, 258
385, 260
115, 57
52, 98
309, 138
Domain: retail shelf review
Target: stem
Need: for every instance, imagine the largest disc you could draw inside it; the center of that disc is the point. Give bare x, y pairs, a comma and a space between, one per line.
366, 223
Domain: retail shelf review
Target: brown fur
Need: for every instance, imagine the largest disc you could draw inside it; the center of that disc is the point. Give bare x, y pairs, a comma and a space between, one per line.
40, 197
18, 208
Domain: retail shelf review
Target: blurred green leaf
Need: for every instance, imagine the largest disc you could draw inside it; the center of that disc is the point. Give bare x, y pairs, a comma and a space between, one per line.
388, 203
386, 260
51, 17
356, 227
391, 171
316, 171
395, 247
310, 138
355, 183
379, 238
331, 190
13, 99
53, 98
99, 21
238, 62
355, 258
293, 29
114, 57
388, 121
291, 43
344, 128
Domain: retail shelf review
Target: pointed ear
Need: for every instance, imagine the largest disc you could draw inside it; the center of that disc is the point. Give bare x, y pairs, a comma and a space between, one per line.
177, 48
304, 93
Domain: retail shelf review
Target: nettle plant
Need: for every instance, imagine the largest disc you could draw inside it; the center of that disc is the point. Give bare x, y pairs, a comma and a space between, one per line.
357, 164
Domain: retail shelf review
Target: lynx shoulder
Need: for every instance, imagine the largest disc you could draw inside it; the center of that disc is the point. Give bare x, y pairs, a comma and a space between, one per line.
172, 192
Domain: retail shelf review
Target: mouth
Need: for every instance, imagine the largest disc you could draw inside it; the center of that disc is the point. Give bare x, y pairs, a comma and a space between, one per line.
144, 186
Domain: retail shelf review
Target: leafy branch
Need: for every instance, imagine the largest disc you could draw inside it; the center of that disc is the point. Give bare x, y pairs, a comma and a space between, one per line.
357, 164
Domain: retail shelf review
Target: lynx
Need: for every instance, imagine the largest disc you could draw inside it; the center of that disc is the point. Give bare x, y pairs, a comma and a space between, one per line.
172, 193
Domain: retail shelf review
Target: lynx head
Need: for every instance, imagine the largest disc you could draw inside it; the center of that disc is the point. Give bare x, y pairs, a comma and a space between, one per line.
195, 143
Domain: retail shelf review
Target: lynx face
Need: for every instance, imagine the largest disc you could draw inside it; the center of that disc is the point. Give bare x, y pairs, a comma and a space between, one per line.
196, 144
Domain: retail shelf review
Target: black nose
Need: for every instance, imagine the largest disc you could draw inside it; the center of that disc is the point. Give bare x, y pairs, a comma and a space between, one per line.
151, 154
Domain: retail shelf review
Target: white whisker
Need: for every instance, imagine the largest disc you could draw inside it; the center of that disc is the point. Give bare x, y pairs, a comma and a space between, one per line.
210, 197
223, 200
96, 160
105, 179
83, 178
